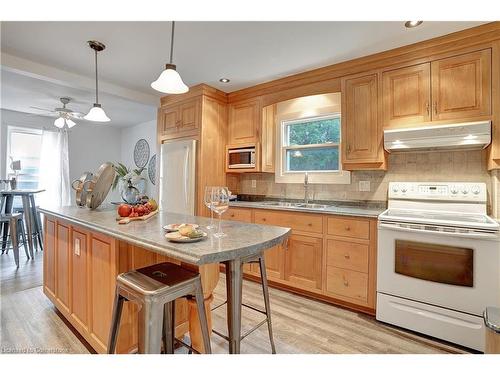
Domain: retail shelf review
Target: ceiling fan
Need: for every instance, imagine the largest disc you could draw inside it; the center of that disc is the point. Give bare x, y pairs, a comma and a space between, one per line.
65, 116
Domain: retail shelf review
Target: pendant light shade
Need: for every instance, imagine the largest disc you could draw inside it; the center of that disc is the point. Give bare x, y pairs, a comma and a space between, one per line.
169, 81
96, 113
70, 123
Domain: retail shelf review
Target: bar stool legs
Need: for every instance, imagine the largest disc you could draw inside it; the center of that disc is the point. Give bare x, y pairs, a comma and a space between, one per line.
150, 325
267, 305
169, 327
14, 239
115, 321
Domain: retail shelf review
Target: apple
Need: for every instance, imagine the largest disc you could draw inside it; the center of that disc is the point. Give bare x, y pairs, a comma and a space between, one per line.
124, 210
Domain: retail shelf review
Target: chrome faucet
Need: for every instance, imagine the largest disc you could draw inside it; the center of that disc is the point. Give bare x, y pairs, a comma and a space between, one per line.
306, 188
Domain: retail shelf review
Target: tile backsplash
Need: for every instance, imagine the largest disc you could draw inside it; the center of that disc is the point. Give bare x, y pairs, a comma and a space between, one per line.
467, 166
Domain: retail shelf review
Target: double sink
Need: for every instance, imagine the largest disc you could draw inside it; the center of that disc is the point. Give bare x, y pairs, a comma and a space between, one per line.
315, 206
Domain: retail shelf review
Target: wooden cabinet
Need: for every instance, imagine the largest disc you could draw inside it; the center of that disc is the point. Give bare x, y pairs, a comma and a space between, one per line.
244, 122
275, 263
267, 139
49, 258
406, 95
239, 214
361, 134
461, 86
63, 257
79, 278
181, 119
303, 261
457, 87
302, 222
348, 227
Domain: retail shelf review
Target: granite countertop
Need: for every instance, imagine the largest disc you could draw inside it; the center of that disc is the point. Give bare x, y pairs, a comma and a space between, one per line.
242, 240
334, 208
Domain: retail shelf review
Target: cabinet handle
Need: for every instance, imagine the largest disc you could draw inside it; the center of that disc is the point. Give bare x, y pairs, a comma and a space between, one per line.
347, 256
348, 148
346, 283
263, 219
435, 105
428, 108
310, 224
347, 229
285, 243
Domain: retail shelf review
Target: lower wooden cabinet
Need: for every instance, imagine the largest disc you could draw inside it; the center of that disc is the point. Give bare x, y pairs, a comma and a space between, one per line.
303, 261
63, 282
80, 278
329, 257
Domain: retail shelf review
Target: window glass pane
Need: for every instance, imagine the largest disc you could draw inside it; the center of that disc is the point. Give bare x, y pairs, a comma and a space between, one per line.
311, 132
313, 159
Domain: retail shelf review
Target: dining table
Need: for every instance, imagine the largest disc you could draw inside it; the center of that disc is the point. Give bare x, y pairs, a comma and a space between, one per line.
32, 219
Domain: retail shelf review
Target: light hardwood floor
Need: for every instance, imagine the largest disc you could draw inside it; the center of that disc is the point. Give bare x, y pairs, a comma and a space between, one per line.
29, 322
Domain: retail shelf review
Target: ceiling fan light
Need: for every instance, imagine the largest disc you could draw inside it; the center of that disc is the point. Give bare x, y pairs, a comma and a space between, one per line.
70, 123
59, 123
97, 114
170, 82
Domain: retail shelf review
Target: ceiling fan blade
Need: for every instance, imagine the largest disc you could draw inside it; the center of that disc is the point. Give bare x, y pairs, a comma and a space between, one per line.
42, 109
77, 115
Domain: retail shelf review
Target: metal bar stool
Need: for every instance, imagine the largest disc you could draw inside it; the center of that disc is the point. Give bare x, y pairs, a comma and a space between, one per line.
155, 289
16, 232
267, 307
36, 224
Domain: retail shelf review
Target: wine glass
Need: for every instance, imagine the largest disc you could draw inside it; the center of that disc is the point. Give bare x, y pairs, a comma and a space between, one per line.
208, 199
220, 205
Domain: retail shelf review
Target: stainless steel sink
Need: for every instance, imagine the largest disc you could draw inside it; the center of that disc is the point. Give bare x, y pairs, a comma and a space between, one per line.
311, 205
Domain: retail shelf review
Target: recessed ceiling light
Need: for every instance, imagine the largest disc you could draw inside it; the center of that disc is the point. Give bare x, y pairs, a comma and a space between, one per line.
411, 24
224, 80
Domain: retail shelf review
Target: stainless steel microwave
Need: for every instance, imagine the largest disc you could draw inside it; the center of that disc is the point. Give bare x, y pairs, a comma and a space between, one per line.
241, 158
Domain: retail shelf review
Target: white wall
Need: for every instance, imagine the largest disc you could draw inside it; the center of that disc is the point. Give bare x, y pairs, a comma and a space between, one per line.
90, 145
129, 137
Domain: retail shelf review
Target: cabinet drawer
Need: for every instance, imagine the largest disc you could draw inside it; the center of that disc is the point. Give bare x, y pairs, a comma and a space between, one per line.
239, 214
297, 221
350, 255
348, 227
347, 283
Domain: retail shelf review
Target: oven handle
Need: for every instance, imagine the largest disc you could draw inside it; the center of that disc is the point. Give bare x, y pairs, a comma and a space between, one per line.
454, 234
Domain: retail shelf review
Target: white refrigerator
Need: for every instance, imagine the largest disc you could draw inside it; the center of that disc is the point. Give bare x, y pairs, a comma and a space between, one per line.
178, 176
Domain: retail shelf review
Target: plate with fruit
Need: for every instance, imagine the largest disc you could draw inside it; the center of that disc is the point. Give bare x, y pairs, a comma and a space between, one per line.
186, 233
175, 227
128, 212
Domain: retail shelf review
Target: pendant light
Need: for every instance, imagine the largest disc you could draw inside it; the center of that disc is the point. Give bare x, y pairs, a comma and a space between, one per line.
96, 113
169, 81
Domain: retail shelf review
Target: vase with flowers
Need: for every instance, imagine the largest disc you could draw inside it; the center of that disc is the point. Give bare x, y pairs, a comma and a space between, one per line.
129, 182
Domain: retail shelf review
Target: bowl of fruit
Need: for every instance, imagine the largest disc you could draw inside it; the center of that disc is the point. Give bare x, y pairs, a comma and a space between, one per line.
142, 211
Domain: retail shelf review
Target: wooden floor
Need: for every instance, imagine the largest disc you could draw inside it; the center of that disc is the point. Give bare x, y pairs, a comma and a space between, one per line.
30, 323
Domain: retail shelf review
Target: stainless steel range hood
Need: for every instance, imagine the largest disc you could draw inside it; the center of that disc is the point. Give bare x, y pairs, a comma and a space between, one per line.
468, 135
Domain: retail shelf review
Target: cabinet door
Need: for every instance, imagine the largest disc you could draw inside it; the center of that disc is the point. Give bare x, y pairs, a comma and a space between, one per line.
79, 279
407, 95
63, 257
189, 115
361, 138
461, 86
303, 261
102, 283
244, 120
49, 258
169, 119
275, 263
267, 138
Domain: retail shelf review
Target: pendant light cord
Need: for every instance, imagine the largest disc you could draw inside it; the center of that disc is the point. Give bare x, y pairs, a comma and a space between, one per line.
172, 43
96, 81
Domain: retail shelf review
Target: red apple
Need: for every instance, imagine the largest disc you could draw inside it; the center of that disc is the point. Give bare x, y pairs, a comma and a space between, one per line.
124, 210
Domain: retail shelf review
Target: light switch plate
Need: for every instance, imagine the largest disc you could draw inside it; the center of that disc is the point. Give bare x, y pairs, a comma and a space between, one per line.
77, 246
364, 185
254, 183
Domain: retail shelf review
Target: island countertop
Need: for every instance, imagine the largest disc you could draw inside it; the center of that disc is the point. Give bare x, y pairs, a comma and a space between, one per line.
242, 239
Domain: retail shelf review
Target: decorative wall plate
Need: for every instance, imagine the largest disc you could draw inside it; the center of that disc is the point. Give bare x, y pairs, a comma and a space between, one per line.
152, 169
141, 153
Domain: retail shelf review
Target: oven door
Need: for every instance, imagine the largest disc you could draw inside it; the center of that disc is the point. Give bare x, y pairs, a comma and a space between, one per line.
459, 271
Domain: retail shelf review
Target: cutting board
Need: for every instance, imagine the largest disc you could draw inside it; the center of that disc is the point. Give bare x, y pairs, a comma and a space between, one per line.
126, 220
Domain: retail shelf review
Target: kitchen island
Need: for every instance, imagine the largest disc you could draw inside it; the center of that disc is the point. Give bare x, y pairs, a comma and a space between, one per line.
85, 250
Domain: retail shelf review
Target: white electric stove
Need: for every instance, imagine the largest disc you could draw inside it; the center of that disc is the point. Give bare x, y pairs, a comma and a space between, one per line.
438, 262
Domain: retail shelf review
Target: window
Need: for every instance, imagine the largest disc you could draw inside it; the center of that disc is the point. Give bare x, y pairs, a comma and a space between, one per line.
24, 144
311, 145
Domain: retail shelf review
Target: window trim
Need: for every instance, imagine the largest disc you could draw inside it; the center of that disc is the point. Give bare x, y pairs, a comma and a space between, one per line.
282, 175
16, 129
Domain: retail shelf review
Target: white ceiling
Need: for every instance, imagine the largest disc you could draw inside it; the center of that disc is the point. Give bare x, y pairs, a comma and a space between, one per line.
245, 52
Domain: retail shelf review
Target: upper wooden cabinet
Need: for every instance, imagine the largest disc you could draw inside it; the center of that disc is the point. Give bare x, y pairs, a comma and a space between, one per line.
461, 86
406, 95
267, 140
244, 122
457, 87
181, 119
361, 134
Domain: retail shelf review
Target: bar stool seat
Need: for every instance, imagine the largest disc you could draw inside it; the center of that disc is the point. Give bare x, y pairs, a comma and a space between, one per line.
267, 306
16, 232
155, 289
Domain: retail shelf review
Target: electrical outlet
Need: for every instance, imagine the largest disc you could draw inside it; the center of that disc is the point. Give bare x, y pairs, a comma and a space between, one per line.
77, 246
254, 184
364, 185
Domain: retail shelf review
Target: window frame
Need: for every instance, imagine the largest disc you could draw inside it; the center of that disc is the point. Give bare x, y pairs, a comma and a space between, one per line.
22, 130
283, 175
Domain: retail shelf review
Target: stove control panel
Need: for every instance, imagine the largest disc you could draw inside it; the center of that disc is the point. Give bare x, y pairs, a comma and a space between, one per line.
445, 191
